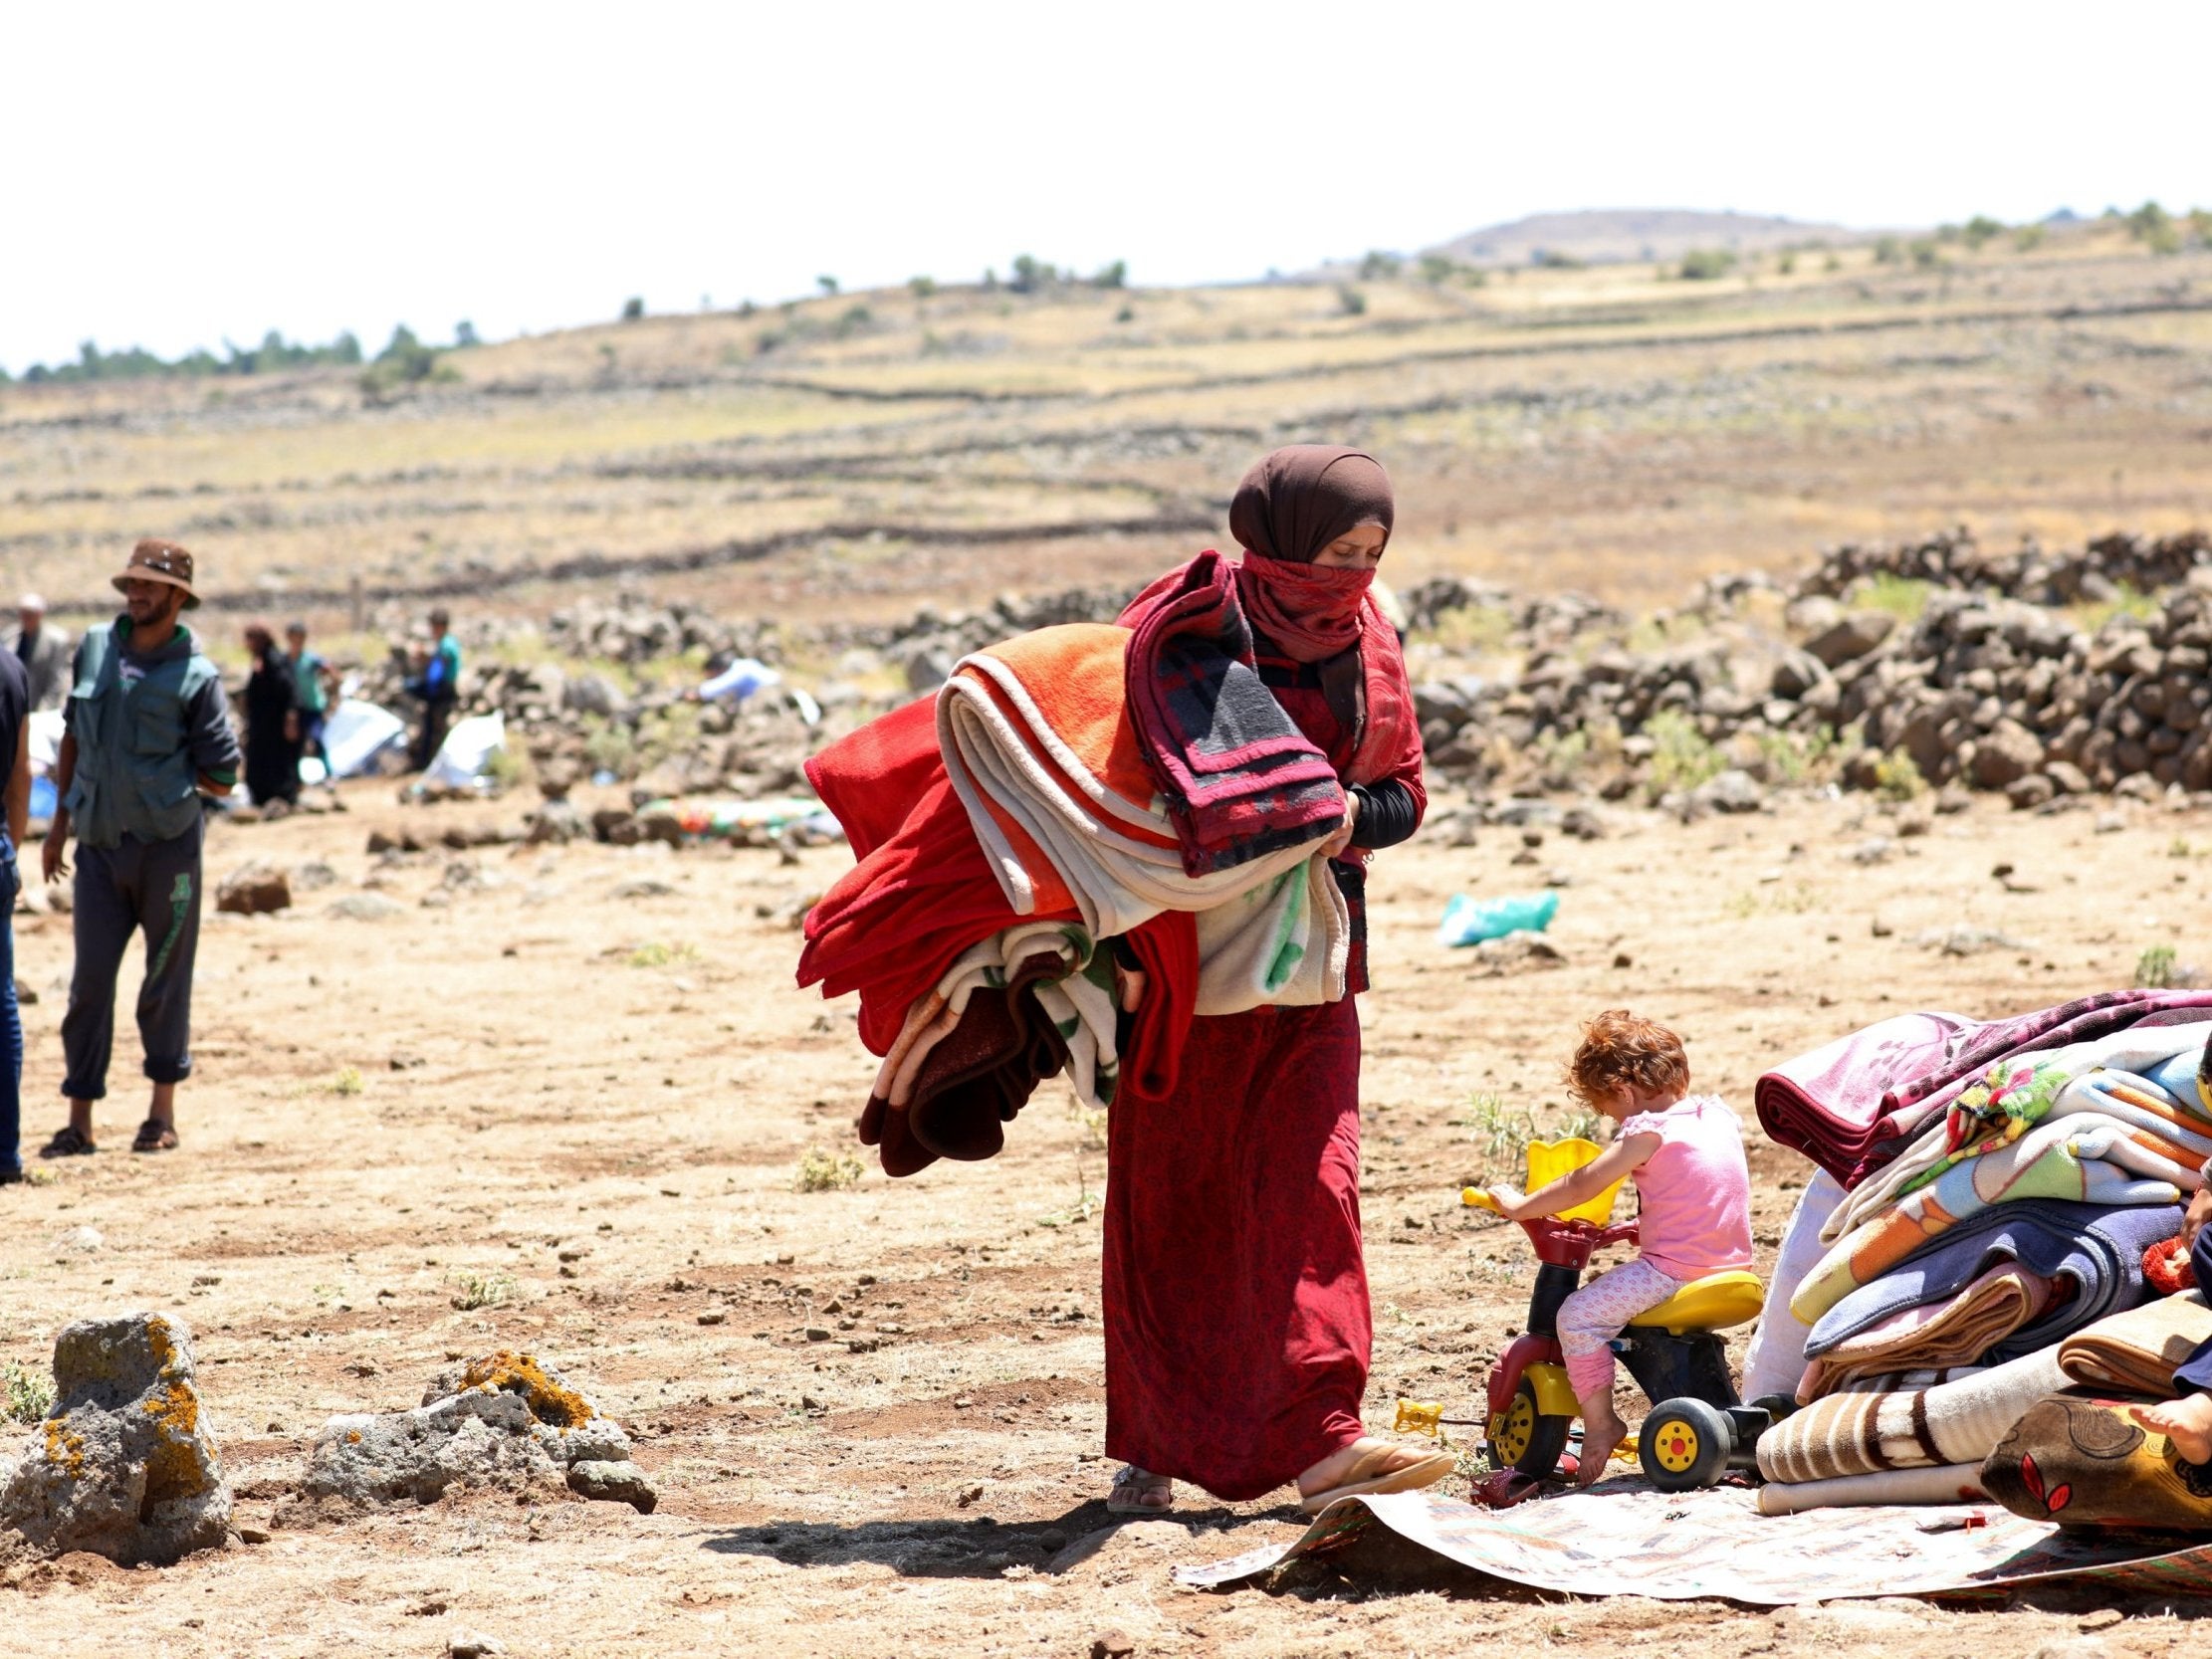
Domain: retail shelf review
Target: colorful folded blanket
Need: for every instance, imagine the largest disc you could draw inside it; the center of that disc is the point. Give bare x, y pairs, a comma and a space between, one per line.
2136, 1351
2091, 1256
2084, 1159
1922, 1420
1856, 1103
1037, 743
2144, 1076
1955, 1331
1240, 779
1074, 987
2089, 1463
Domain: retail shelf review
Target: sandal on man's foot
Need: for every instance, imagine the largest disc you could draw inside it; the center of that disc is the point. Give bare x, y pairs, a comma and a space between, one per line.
155, 1136
68, 1142
1140, 1492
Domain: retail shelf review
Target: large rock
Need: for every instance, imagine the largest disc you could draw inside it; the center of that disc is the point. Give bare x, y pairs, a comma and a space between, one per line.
124, 1465
2006, 755
1851, 638
504, 1421
254, 890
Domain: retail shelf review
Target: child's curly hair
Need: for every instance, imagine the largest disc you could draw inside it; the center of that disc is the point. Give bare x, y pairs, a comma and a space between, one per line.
1620, 1048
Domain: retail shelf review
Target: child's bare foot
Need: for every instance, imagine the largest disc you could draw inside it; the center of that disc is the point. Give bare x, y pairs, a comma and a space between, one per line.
1601, 1437
2187, 1422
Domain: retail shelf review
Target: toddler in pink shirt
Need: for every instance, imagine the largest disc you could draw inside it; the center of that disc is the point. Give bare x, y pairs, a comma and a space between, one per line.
1685, 1154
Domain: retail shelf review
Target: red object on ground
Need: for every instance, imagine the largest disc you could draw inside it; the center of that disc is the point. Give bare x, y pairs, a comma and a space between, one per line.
2167, 1266
1234, 1292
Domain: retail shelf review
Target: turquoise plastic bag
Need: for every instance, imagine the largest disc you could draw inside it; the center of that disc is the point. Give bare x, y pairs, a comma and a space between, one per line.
1471, 921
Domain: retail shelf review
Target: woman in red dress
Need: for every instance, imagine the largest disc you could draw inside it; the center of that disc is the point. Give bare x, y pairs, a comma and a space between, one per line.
1235, 1302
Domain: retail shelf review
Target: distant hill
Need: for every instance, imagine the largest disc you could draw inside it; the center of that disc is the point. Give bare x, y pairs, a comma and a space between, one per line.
1611, 235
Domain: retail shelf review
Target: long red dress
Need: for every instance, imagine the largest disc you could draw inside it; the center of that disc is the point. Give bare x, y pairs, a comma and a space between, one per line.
1234, 1290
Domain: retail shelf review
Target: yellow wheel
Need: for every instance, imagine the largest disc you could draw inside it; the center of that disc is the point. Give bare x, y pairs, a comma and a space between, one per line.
1685, 1443
1523, 1437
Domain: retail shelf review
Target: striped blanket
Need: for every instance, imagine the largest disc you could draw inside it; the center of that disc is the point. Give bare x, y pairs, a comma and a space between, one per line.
1919, 1420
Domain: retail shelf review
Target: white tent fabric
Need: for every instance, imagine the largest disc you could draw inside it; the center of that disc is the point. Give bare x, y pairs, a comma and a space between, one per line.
468, 750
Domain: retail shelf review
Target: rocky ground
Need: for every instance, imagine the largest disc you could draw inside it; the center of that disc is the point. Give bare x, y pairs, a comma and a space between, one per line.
563, 1107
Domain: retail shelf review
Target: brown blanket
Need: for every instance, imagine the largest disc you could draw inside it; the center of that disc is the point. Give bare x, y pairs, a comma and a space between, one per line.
2135, 1352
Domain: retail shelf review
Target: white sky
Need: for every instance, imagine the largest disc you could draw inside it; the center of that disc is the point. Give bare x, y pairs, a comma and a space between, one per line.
171, 174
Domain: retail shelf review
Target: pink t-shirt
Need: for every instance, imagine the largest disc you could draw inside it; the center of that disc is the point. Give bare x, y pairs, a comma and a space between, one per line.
1696, 1190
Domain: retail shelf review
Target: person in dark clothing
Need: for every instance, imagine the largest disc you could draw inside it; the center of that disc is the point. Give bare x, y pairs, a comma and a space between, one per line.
15, 742
436, 685
148, 734
272, 721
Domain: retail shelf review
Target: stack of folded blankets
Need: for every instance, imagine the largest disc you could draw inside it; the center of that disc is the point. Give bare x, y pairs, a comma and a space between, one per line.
1075, 798
1988, 1197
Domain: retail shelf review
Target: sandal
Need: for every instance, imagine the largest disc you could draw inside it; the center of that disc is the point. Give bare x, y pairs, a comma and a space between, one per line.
67, 1143
155, 1136
1133, 1486
1372, 1471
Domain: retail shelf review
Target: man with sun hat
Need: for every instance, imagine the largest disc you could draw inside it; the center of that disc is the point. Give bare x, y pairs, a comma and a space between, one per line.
148, 736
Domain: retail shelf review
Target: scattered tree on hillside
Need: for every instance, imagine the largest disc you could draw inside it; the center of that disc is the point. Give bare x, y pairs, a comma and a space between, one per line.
2028, 236
275, 352
1114, 275
633, 310
1378, 265
1981, 229
1704, 265
1031, 274
828, 285
1438, 269
2154, 227
921, 287
464, 333
1350, 301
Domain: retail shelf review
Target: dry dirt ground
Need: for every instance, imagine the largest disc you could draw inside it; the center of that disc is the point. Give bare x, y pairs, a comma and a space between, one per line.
390, 1114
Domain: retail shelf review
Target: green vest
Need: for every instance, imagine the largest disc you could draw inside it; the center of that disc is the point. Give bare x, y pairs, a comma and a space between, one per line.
134, 774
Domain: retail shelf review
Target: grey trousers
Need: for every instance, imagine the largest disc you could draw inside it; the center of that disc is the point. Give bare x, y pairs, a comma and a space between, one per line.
149, 887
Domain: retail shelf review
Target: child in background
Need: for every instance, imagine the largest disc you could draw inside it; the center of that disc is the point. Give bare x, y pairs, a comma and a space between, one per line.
1686, 1152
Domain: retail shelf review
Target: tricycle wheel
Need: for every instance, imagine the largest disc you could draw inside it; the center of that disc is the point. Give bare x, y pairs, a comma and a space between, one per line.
1686, 1444
1524, 1437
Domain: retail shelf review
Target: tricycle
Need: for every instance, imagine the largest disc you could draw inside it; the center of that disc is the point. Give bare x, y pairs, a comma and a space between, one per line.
1698, 1429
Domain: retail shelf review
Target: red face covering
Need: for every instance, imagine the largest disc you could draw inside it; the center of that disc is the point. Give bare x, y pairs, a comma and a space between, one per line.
1288, 507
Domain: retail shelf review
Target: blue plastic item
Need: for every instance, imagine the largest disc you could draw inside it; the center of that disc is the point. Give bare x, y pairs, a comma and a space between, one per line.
1471, 921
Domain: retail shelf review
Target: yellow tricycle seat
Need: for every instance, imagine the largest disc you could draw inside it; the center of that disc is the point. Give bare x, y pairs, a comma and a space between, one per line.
1712, 1302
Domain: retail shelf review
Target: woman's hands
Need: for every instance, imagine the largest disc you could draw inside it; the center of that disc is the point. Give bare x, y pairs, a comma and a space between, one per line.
1338, 842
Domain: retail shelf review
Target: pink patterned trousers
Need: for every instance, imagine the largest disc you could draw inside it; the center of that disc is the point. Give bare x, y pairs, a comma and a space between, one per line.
1599, 1311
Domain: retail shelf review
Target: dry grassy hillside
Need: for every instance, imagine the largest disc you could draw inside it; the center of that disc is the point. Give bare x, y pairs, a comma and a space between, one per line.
1618, 429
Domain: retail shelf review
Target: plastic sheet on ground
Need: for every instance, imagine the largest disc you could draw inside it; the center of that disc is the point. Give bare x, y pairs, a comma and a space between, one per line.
356, 733
1628, 1538
722, 820
467, 750
46, 727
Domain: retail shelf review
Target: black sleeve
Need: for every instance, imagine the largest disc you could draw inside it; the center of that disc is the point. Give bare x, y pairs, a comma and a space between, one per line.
1386, 814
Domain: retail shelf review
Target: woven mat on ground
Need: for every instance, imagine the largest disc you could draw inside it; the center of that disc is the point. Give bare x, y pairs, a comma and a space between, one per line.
1624, 1538
1911, 1423
2135, 1352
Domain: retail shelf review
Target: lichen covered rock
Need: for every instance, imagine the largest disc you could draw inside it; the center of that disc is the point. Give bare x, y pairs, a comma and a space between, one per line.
124, 1465
503, 1420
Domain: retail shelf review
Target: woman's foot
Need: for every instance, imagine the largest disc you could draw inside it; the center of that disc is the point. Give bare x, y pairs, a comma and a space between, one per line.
1140, 1492
1370, 1465
1602, 1434
2186, 1422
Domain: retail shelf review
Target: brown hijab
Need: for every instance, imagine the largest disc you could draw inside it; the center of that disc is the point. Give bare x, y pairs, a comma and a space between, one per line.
1296, 501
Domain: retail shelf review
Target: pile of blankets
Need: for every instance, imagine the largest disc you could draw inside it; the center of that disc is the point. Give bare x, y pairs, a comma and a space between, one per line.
1976, 1240
1078, 806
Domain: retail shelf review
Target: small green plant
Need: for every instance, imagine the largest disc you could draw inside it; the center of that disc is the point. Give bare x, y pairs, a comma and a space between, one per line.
1583, 1122
654, 953
1091, 1121
1904, 597
2179, 847
348, 1081
2028, 237
1897, 778
1794, 757
483, 1289
2129, 602
1350, 301
822, 1172
29, 1394
612, 747
506, 769
1501, 1132
2155, 969
1682, 758
1472, 630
